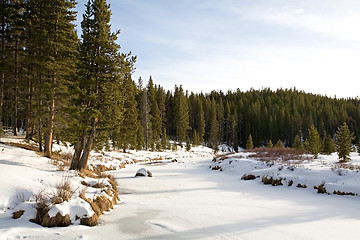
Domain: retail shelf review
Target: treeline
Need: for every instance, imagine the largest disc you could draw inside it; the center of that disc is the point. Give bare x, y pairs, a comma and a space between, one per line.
229, 118
61, 88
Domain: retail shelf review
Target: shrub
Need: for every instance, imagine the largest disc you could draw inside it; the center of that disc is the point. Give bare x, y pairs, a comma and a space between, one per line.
42, 207
64, 191
301, 185
271, 180
290, 183
321, 189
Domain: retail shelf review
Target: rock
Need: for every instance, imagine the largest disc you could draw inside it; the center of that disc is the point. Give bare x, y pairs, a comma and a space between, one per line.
142, 172
248, 177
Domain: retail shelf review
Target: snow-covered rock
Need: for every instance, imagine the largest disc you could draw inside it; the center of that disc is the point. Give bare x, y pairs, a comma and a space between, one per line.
142, 172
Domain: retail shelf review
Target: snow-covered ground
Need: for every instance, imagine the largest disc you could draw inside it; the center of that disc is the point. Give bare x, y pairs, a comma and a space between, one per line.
326, 170
185, 200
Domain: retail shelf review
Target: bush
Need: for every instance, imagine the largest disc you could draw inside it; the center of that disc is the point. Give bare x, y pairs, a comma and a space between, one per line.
270, 180
64, 191
290, 183
42, 207
321, 189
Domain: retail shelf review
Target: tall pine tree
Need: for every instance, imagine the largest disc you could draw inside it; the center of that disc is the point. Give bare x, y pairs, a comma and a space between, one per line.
102, 69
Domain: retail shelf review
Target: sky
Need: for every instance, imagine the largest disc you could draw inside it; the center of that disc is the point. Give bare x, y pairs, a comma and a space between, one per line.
205, 45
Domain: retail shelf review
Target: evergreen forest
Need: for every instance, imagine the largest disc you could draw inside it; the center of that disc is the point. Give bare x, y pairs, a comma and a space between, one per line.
58, 86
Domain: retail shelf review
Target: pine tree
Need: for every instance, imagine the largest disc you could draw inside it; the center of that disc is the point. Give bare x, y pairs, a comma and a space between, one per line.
297, 142
144, 112
174, 146
279, 144
125, 135
213, 126
164, 140
182, 114
155, 114
313, 142
195, 138
188, 144
199, 120
270, 144
249, 143
343, 139
102, 69
139, 138
51, 50
4, 14
328, 145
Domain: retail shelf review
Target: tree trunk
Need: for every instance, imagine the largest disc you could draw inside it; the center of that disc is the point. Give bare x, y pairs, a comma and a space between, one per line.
39, 116
28, 127
75, 162
88, 146
16, 72
2, 74
40, 135
50, 130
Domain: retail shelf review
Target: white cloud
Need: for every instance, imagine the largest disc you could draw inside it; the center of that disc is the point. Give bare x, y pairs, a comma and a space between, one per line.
328, 18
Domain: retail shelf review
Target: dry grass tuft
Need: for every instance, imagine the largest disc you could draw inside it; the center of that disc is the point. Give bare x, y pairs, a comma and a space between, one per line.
94, 206
101, 168
57, 221
42, 207
103, 203
91, 221
62, 160
222, 156
25, 146
64, 190
279, 154
88, 173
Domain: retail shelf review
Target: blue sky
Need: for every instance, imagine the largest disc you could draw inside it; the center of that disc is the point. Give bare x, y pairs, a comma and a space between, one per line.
204, 45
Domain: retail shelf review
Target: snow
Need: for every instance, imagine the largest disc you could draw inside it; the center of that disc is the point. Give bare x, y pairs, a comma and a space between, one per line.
324, 170
76, 208
186, 200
